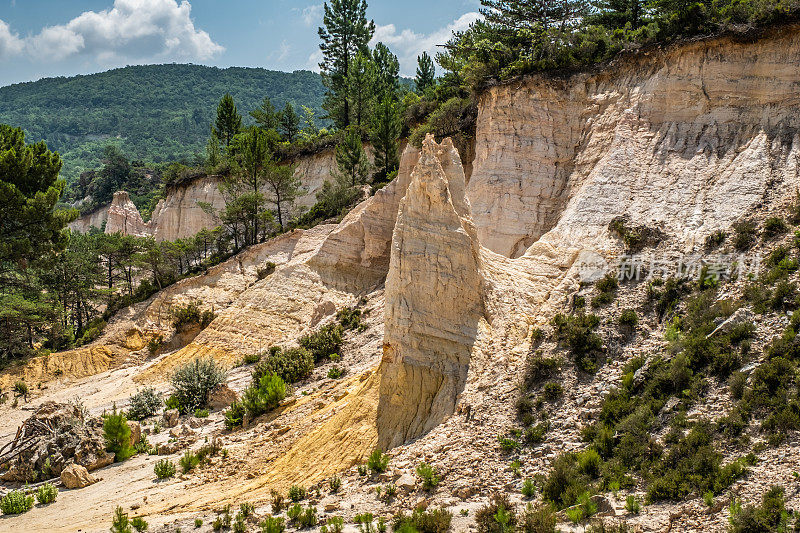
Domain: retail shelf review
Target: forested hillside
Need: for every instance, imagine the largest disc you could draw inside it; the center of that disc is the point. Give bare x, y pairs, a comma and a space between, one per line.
155, 112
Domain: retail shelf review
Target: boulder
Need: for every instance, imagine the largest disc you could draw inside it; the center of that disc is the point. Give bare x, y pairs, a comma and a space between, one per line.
221, 397
183, 431
136, 432
76, 477
170, 418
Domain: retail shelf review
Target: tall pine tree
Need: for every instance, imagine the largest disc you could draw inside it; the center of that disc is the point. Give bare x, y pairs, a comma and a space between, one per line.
229, 121
385, 132
361, 88
426, 72
387, 72
346, 32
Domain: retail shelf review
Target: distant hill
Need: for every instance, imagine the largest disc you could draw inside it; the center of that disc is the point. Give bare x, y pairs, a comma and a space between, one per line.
154, 112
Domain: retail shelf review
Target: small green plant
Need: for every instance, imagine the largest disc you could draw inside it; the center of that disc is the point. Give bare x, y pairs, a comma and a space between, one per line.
632, 504
378, 461
198, 523
362, 470
508, 444
239, 524
553, 391
273, 524
47, 493
516, 467
247, 509
277, 501
139, 524
364, 521
335, 372
335, 524
266, 270
335, 484
498, 516
201, 413
628, 319
189, 461
325, 341
390, 491
164, 469
190, 316
291, 365
16, 502
234, 415
21, 389
576, 332
708, 498
297, 493
194, 381
117, 435
774, 226
120, 522
528, 488
265, 395
145, 403
745, 233
427, 474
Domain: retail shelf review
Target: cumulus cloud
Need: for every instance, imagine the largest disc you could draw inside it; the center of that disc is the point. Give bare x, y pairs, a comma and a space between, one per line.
311, 15
10, 43
408, 44
131, 30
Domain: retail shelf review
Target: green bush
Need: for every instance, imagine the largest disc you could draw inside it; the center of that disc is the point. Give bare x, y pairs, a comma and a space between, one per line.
297, 493
266, 270
117, 435
47, 493
334, 524
265, 397
498, 516
553, 391
632, 504
194, 381
427, 474
628, 319
423, 521
350, 318
16, 502
292, 365
378, 461
139, 524
577, 333
164, 469
771, 515
528, 488
774, 226
538, 519
335, 484
715, 240
234, 415
607, 290
145, 403
272, 524
566, 481
189, 461
745, 234
120, 522
189, 316
324, 342
540, 368
335, 372
201, 413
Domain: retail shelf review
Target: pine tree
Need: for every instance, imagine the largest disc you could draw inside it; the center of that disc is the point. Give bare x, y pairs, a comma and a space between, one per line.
386, 130
283, 187
346, 32
387, 72
618, 13
351, 160
426, 72
266, 116
361, 88
290, 123
229, 121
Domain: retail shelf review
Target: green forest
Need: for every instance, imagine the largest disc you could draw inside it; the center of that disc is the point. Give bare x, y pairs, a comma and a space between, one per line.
153, 113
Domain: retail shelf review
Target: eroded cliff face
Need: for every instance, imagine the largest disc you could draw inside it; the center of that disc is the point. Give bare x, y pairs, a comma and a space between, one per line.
687, 138
124, 218
187, 210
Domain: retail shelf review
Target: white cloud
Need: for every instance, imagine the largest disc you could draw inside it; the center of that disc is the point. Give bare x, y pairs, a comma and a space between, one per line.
280, 54
408, 44
130, 31
312, 15
10, 43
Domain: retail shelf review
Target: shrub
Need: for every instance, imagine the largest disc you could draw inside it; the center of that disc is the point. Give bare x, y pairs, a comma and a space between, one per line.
202, 413
350, 318
117, 436
234, 415
378, 461
736, 385
771, 515
188, 462
277, 501
266, 396
335, 484
194, 381
164, 469
499, 506
774, 226
146, 402
21, 389
433, 521
296, 493
189, 316
47, 493
715, 240
266, 270
272, 524
120, 522
553, 391
528, 488
567, 480
607, 287
632, 504
16, 502
427, 474
325, 341
536, 434
291, 365
139, 524
539, 519
335, 372
335, 524
745, 233
628, 319
577, 333
540, 368
251, 359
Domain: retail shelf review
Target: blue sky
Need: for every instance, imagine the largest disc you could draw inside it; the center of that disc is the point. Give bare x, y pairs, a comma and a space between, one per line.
43, 38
